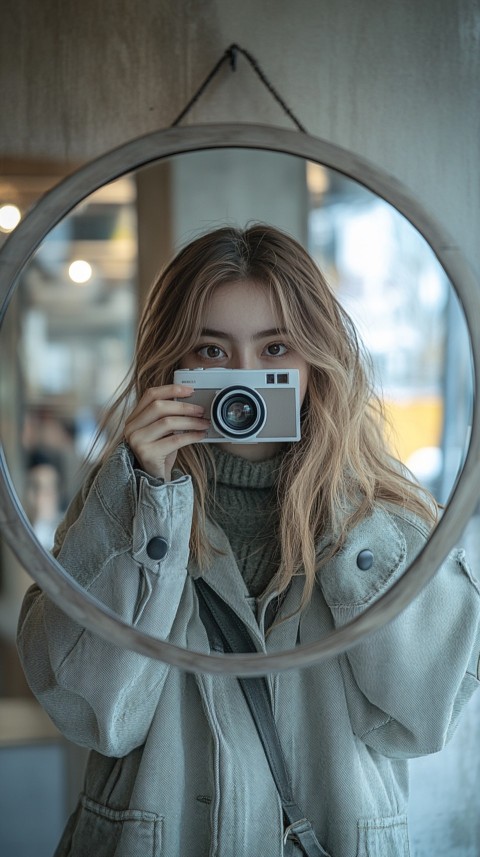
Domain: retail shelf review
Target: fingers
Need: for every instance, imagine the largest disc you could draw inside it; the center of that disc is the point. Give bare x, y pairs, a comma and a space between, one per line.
142, 435
164, 411
155, 454
159, 426
159, 401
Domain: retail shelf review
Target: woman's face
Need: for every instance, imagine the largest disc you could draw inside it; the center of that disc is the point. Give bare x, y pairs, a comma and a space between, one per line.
242, 331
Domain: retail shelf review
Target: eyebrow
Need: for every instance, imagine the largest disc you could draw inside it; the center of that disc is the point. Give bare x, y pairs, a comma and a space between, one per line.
262, 334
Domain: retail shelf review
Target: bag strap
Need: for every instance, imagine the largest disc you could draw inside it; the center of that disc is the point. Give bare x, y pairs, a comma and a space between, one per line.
226, 633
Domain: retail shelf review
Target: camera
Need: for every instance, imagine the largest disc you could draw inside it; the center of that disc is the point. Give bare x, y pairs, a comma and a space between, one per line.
246, 406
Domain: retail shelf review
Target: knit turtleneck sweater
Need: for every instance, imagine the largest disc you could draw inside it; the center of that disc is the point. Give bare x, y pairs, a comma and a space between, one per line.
245, 508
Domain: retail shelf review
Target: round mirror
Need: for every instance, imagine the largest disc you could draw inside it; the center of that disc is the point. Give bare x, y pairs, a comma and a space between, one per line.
83, 261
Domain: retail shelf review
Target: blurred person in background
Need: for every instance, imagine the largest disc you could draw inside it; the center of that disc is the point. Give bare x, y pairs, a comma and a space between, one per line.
43, 494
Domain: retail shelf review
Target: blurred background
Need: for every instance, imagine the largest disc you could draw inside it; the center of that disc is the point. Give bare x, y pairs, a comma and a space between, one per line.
370, 79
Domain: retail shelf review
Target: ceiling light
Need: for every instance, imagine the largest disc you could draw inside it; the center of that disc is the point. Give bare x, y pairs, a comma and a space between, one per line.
10, 217
80, 271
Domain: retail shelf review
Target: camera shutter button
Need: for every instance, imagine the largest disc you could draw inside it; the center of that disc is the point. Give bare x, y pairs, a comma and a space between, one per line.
157, 548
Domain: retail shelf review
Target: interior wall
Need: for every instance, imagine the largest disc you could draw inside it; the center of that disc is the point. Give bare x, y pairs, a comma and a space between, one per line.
396, 83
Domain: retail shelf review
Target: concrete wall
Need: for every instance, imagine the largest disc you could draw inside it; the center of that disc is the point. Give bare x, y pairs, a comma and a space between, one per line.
395, 82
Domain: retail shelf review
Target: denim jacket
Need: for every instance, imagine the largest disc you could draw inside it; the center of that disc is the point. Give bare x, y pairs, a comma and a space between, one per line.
176, 767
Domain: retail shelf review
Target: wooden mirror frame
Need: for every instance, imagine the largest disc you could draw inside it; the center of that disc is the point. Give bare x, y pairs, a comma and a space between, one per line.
16, 253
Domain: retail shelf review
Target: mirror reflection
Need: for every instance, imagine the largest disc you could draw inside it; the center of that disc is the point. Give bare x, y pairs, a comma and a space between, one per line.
72, 330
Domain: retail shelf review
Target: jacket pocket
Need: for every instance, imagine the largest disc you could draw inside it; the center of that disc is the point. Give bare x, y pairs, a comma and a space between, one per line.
105, 832
383, 837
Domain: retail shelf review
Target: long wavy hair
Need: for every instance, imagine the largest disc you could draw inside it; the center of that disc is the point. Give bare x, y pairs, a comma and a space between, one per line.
330, 479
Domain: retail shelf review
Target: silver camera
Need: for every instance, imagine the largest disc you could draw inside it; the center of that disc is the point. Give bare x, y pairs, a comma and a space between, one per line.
246, 406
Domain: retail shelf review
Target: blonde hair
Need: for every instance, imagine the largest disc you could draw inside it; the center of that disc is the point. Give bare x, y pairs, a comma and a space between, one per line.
329, 480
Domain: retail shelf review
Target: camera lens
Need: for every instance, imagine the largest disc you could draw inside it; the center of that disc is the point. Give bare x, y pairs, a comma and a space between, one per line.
238, 412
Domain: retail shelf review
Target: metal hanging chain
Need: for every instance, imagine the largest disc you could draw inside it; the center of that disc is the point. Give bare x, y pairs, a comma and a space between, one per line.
231, 55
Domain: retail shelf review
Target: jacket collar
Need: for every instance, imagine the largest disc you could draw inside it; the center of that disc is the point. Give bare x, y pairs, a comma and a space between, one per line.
224, 577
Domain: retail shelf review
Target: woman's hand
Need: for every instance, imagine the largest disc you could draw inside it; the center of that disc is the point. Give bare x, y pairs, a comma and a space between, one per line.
159, 426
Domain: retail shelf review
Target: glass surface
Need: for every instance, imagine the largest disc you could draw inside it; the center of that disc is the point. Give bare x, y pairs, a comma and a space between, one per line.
67, 345
71, 326
408, 317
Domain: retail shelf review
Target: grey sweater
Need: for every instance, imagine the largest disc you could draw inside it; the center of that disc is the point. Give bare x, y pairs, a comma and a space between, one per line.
245, 507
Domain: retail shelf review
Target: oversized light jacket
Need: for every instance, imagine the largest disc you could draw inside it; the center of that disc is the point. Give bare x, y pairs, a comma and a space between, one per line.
177, 768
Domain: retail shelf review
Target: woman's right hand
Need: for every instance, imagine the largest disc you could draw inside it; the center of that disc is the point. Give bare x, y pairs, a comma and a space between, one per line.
159, 426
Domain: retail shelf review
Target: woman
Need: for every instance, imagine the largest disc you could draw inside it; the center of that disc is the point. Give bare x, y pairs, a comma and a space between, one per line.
296, 538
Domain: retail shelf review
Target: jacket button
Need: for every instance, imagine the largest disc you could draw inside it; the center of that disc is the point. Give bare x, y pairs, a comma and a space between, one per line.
157, 548
365, 559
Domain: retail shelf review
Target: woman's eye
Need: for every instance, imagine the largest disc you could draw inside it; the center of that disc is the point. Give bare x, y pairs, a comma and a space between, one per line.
211, 352
276, 349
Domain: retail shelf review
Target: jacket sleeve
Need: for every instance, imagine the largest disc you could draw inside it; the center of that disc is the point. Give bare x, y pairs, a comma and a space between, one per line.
100, 695
407, 683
